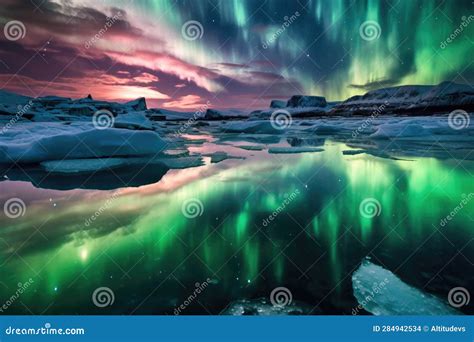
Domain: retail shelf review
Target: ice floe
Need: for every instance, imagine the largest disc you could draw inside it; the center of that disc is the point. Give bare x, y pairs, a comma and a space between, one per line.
262, 307
381, 292
32, 143
297, 149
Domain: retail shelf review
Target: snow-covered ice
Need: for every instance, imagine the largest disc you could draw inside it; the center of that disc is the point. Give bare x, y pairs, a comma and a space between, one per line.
381, 292
32, 143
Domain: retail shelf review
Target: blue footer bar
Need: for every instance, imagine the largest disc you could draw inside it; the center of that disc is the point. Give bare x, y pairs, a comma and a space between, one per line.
228, 328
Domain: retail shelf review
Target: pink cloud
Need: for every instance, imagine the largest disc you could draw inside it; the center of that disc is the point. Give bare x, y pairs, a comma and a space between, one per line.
146, 78
186, 102
202, 77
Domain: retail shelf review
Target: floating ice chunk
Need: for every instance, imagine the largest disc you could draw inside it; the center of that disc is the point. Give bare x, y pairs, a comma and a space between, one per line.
352, 152
82, 165
386, 131
381, 292
278, 104
306, 101
300, 149
76, 166
219, 156
181, 163
133, 121
214, 114
295, 141
262, 307
54, 142
251, 147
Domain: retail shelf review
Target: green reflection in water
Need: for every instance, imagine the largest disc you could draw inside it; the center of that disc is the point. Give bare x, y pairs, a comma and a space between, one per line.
143, 242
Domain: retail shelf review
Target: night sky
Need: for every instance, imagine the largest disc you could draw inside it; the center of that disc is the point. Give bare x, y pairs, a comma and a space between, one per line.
234, 54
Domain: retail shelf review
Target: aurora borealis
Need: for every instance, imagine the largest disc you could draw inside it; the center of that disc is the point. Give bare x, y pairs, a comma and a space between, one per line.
242, 58
145, 232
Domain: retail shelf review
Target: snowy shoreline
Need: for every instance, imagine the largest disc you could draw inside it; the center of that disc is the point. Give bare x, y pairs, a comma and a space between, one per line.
69, 137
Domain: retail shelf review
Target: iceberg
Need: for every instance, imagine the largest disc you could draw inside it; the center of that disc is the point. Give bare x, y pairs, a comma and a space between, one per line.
386, 131
306, 101
34, 143
277, 104
133, 121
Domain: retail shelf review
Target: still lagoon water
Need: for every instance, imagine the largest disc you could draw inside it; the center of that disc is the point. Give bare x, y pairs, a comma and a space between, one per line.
242, 227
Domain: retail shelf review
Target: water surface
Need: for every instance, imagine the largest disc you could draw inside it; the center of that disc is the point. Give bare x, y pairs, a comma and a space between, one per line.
138, 242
